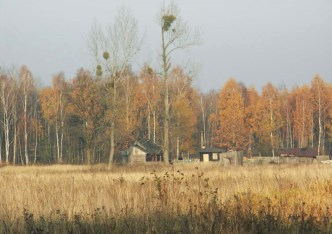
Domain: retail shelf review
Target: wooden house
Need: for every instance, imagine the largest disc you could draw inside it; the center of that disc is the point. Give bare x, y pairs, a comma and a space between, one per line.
221, 155
210, 154
142, 152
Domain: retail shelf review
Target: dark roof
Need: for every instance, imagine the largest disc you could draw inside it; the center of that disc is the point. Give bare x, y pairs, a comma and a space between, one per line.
212, 150
299, 152
148, 146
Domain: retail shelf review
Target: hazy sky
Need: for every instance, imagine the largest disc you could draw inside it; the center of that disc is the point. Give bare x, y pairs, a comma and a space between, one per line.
255, 41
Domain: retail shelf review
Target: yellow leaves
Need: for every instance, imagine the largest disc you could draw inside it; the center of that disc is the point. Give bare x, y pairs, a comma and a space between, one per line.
85, 96
184, 106
36, 126
49, 102
269, 110
184, 121
303, 114
232, 130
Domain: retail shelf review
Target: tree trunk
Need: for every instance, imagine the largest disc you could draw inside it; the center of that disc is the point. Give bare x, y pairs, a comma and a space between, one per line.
20, 147
319, 125
15, 138
166, 102
303, 143
62, 126
149, 124
26, 130
112, 145
111, 157
6, 129
0, 150
154, 126
289, 131
203, 142
127, 112
312, 131
271, 134
57, 141
88, 155
177, 147
61, 142
36, 145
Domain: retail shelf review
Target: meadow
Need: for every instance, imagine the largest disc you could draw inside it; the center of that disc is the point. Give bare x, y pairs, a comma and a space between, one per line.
154, 198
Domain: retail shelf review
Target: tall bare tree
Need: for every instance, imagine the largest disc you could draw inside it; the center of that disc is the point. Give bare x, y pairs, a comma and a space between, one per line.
150, 88
26, 85
53, 106
321, 104
113, 49
175, 35
8, 99
59, 87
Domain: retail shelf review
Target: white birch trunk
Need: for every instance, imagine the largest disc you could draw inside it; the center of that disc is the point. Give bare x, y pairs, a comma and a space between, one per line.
154, 126
25, 128
319, 124
271, 134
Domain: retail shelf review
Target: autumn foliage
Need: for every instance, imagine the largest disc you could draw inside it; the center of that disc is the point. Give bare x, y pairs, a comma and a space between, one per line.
69, 122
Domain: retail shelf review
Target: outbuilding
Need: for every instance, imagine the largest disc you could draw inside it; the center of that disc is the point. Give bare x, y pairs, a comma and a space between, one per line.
142, 151
210, 154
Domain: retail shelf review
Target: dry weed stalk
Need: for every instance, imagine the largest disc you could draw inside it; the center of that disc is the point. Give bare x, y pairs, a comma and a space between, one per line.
195, 197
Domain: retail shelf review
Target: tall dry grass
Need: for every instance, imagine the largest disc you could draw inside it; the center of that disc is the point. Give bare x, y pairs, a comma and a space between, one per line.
152, 198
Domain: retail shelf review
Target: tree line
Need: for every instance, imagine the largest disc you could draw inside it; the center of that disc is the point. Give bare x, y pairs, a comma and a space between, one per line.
71, 121
97, 114
261, 123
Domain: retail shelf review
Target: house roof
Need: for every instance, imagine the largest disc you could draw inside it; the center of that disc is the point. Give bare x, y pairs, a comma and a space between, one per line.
212, 150
148, 146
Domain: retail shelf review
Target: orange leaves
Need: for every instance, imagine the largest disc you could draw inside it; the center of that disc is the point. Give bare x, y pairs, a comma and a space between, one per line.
53, 101
184, 106
85, 99
232, 132
303, 115
48, 101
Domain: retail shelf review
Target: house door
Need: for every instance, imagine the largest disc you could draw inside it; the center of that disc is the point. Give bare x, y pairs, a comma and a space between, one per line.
205, 157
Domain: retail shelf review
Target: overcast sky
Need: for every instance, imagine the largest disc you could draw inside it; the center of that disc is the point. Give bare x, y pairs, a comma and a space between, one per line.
254, 41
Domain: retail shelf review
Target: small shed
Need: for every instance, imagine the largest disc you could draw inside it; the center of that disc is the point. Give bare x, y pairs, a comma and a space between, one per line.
210, 154
143, 151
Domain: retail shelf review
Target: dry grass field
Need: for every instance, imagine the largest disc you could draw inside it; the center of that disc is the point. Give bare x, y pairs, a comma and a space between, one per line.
180, 198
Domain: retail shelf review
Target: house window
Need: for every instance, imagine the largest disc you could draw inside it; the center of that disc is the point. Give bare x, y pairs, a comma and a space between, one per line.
215, 156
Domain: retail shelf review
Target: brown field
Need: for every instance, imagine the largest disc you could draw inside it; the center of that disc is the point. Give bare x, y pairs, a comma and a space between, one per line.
182, 198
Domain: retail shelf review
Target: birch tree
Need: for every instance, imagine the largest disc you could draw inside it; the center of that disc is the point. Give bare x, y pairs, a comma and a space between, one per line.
8, 99
231, 116
250, 100
26, 86
287, 129
113, 49
183, 103
320, 102
150, 88
53, 104
59, 86
303, 116
269, 118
